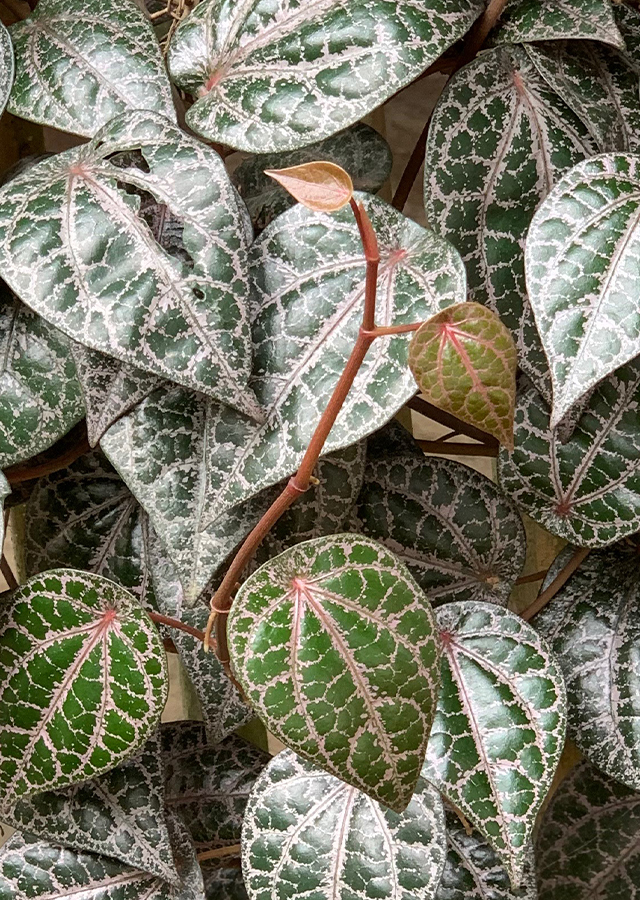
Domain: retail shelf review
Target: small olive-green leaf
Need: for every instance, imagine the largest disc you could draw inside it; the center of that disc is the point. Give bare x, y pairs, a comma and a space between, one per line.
333, 644
318, 185
464, 361
500, 726
272, 76
551, 20
306, 832
79, 66
83, 681
6, 67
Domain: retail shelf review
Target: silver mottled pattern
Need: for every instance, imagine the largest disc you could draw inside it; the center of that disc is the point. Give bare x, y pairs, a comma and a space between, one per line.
552, 20
6, 67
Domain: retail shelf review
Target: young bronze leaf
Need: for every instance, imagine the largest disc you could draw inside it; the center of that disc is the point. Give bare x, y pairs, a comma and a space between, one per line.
82, 681
333, 643
322, 186
464, 361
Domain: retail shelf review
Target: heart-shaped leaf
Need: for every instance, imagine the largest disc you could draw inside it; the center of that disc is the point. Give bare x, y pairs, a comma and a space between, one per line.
589, 843
459, 538
500, 726
581, 259
587, 490
67, 635
6, 67
307, 831
76, 250
119, 814
333, 644
499, 139
264, 83
360, 150
474, 872
79, 66
552, 20
464, 362
318, 185
85, 517
593, 626
40, 399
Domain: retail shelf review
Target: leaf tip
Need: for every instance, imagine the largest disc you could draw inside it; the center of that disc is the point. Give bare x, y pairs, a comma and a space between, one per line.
320, 186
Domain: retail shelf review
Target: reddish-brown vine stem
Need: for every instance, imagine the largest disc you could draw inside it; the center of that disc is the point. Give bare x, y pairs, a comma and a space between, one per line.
444, 448
26, 472
176, 623
558, 582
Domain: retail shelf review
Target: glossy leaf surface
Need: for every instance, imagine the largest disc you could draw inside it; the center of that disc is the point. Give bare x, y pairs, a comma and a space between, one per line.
500, 726
6, 67
76, 250
333, 644
550, 20
464, 362
263, 83
68, 635
77, 68
588, 489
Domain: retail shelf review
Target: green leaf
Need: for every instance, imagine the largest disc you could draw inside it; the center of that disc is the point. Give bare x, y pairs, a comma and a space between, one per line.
224, 884
333, 644
628, 22
85, 517
464, 362
459, 538
77, 251
80, 65
83, 681
582, 260
40, 399
499, 139
360, 150
473, 871
6, 67
275, 76
551, 20
307, 833
32, 869
119, 814
593, 626
500, 725
589, 840
309, 274
587, 490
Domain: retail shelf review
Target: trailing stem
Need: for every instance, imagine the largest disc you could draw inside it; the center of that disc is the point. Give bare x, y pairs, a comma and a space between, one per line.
176, 623
558, 582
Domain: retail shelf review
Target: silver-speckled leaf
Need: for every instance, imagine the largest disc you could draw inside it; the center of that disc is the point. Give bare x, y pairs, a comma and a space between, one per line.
5, 490
593, 625
309, 834
6, 67
587, 490
79, 67
75, 248
83, 681
272, 76
628, 22
474, 872
500, 725
333, 644
40, 398
119, 814
84, 516
459, 538
224, 884
35, 870
360, 150
552, 20
499, 139
589, 840
582, 258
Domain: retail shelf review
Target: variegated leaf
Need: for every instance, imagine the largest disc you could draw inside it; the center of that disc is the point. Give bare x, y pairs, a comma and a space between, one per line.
5, 490
76, 250
35, 870
551, 20
499, 139
588, 489
360, 150
589, 841
459, 538
306, 832
333, 644
6, 67
224, 884
79, 66
272, 76
83, 681
582, 261
500, 725
309, 272
85, 517
474, 872
593, 626
119, 814
40, 399
628, 22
